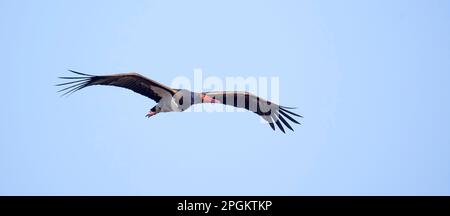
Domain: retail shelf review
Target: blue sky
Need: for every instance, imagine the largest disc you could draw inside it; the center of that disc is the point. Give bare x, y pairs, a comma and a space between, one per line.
370, 77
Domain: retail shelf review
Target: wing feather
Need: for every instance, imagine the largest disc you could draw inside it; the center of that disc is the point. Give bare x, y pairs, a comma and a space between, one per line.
132, 81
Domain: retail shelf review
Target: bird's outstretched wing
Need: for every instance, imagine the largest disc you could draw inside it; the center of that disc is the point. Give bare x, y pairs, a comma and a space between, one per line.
132, 81
271, 112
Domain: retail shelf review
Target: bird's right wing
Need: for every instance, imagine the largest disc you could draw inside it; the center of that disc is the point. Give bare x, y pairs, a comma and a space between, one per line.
132, 81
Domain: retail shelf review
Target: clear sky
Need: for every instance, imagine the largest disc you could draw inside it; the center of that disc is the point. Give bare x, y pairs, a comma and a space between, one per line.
372, 79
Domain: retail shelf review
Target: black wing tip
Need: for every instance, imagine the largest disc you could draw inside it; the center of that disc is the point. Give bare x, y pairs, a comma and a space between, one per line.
280, 117
79, 83
280, 120
73, 88
290, 112
79, 73
272, 126
282, 113
289, 107
280, 125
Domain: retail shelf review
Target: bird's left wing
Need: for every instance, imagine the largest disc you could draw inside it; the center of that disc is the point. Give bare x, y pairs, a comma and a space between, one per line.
271, 112
132, 81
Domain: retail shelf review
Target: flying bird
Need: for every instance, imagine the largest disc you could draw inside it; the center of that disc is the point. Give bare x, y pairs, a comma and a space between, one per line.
179, 100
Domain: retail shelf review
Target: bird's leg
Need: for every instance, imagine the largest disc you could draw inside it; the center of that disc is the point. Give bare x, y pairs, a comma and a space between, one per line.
151, 112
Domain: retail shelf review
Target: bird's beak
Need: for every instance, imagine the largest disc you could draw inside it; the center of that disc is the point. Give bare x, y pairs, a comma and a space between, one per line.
208, 99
